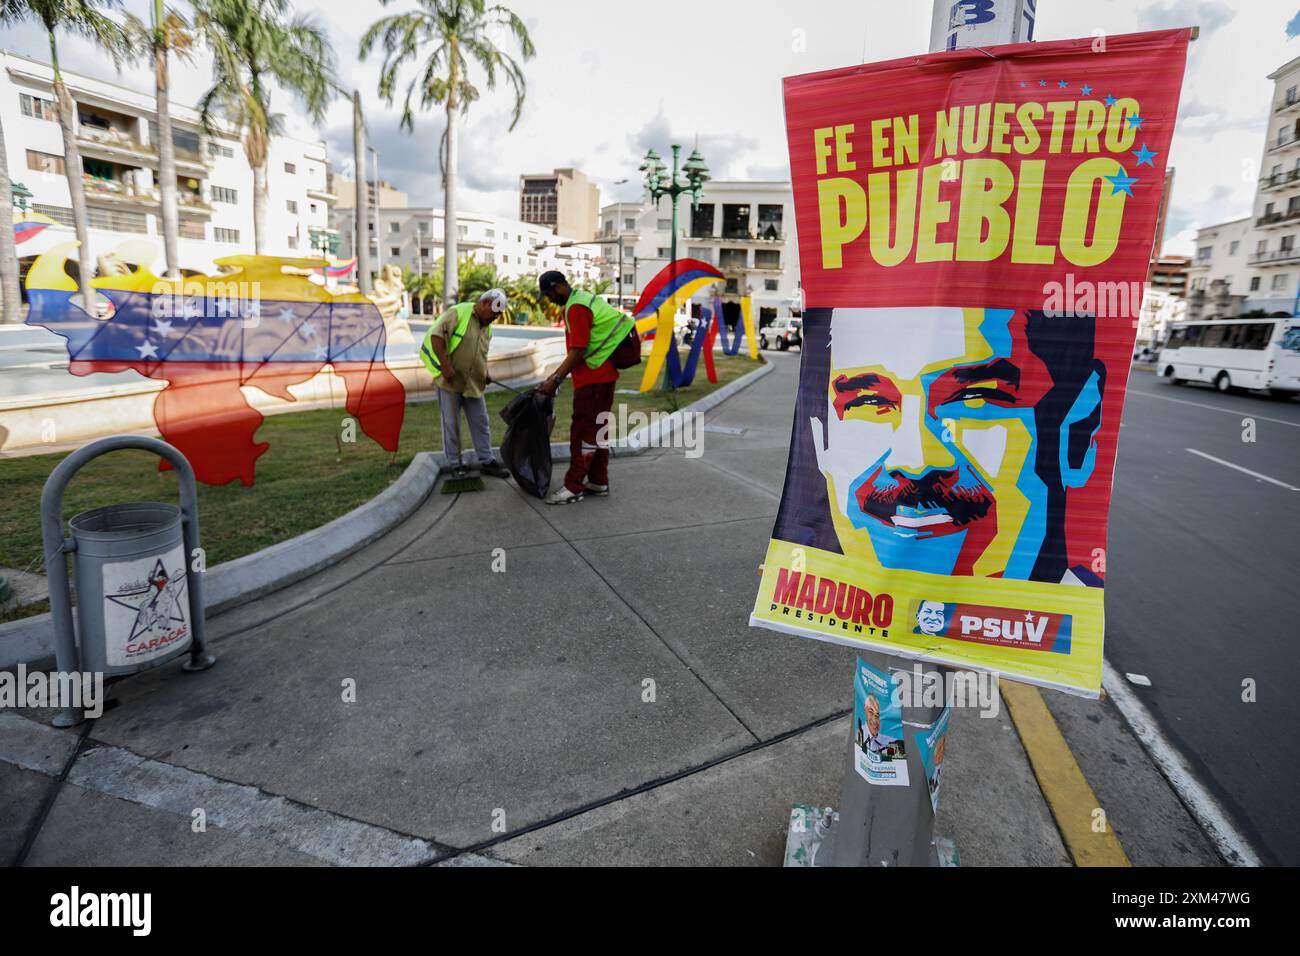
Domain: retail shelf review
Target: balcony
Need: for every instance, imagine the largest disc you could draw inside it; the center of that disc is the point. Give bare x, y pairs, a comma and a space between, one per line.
1274, 257
116, 145
323, 193
111, 192
1283, 140
740, 237
1274, 219
1280, 180
1288, 105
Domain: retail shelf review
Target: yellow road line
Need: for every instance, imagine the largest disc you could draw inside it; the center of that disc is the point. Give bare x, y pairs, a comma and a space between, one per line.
1067, 792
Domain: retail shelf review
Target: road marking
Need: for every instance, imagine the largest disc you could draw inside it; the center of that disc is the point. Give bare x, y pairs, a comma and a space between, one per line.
1063, 784
236, 808
1244, 471
1215, 408
1231, 844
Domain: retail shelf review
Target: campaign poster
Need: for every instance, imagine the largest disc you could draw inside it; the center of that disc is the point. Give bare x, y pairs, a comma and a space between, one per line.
931, 744
975, 228
881, 754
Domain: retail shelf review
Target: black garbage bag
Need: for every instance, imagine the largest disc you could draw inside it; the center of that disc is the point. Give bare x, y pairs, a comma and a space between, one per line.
526, 449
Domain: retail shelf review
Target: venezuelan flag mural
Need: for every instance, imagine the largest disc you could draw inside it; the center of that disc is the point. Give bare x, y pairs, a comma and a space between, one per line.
29, 225
337, 270
207, 337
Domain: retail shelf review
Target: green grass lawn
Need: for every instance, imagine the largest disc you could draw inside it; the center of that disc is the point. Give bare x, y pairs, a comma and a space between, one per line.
307, 478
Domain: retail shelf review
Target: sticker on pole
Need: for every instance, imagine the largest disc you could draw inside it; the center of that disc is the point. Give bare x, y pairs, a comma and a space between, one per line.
930, 745
881, 757
146, 608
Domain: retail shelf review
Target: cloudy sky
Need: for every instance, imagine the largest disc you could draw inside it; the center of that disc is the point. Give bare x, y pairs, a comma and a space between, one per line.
612, 78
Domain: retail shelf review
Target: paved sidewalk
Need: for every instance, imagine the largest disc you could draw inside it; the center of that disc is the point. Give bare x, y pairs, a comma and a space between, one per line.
511, 727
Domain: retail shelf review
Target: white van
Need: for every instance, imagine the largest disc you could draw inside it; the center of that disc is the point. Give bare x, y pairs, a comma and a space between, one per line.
1235, 353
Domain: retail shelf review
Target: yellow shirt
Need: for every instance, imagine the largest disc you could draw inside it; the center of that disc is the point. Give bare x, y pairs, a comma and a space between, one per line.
469, 360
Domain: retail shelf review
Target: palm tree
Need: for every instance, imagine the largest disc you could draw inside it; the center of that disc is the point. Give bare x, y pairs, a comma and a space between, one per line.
87, 19
254, 44
450, 34
167, 33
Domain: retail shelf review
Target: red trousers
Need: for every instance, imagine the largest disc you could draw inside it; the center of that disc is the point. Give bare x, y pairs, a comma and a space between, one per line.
588, 460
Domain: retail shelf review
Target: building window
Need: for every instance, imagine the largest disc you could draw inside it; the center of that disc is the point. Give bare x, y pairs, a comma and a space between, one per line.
463, 231
37, 108
218, 150
1203, 254
1254, 283
735, 221
767, 259
313, 208
424, 252
629, 225
1279, 281
663, 252
225, 194
732, 260
225, 235
769, 285
45, 162
293, 242
1232, 247
394, 228
491, 233
702, 220
290, 168
291, 205
394, 251
664, 225
192, 229
771, 219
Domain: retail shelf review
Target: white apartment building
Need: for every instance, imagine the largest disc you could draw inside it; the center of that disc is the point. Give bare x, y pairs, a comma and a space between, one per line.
117, 134
1253, 264
413, 238
745, 229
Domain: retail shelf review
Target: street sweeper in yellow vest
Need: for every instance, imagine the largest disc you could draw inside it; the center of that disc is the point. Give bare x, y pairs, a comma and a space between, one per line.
455, 351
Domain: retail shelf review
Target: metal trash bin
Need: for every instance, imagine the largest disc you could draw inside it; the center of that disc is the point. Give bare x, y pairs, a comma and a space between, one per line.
138, 604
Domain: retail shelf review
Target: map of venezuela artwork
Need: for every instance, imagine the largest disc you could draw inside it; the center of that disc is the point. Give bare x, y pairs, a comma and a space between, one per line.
259, 322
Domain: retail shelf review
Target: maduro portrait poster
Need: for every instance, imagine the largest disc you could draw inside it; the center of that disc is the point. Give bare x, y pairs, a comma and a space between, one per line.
975, 229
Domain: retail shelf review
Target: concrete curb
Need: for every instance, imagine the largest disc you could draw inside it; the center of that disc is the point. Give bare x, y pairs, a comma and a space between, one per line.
255, 575
659, 432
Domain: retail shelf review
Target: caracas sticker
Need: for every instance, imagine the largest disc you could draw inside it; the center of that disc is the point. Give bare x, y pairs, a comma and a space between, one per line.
146, 608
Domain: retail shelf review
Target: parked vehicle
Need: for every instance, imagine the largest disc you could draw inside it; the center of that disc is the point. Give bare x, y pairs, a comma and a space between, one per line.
1235, 353
783, 333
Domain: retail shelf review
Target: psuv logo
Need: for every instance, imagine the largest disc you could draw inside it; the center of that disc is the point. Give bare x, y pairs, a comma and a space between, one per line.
993, 628
1005, 627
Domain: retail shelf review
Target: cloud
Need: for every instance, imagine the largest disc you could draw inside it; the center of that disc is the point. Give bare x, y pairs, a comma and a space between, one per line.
1206, 14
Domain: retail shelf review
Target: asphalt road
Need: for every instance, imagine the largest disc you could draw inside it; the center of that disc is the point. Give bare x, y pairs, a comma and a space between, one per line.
1201, 592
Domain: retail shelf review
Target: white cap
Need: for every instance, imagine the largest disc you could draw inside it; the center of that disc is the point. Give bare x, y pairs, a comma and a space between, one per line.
497, 297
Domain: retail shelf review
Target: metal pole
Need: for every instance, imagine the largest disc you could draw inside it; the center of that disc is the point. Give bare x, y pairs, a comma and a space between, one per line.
894, 825
620, 269
672, 257
379, 240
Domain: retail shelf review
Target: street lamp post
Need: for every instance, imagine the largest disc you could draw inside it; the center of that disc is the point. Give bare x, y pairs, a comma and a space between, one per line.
659, 184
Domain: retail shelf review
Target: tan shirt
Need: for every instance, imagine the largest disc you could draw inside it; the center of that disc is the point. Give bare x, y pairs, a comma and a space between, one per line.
469, 360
